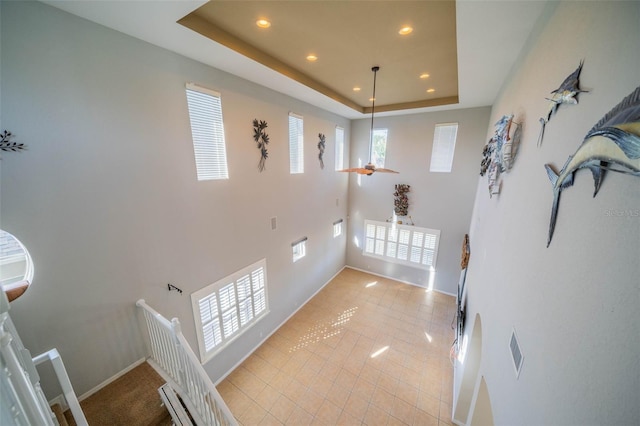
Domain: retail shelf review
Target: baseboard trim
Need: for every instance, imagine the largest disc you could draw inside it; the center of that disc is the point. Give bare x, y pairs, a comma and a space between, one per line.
60, 400
400, 281
110, 379
224, 376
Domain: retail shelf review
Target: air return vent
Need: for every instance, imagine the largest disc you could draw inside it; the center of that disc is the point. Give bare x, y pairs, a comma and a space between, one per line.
516, 354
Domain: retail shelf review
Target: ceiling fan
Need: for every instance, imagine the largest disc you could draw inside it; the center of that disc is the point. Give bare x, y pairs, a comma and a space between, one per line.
370, 168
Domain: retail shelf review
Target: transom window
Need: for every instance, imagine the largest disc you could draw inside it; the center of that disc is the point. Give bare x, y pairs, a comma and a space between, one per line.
379, 147
444, 146
207, 132
226, 308
339, 148
337, 228
296, 144
404, 244
299, 249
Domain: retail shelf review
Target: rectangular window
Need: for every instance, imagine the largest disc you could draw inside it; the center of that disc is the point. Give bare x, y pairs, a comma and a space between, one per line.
444, 145
207, 132
296, 144
225, 309
403, 244
299, 249
339, 148
337, 228
379, 147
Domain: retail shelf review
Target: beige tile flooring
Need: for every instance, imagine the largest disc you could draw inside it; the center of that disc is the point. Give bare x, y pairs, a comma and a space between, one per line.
364, 351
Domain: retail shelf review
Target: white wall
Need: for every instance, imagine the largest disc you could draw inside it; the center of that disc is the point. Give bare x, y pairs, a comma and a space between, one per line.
441, 201
574, 305
106, 197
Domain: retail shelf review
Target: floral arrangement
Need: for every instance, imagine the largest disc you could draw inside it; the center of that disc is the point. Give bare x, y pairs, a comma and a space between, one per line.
7, 145
401, 203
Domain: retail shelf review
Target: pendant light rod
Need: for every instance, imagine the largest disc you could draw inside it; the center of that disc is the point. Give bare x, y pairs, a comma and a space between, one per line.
373, 109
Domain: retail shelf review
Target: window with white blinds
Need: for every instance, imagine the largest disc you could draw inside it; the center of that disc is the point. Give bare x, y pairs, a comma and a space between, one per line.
207, 132
299, 249
225, 309
296, 144
404, 244
339, 148
337, 228
444, 146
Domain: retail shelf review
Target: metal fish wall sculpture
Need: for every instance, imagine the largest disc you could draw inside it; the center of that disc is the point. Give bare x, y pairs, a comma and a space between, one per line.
565, 94
500, 152
612, 144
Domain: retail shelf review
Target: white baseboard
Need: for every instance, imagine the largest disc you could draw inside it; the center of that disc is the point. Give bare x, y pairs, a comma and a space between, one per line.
60, 400
400, 281
110, 379
224, 376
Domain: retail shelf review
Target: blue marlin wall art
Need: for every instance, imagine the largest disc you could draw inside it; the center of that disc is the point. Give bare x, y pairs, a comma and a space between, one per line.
565, 94
612, 144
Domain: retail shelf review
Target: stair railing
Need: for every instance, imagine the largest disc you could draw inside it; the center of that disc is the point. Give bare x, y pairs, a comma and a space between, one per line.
176, 362
22, 400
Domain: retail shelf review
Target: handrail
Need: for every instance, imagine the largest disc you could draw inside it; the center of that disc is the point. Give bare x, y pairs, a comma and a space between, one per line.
171, 353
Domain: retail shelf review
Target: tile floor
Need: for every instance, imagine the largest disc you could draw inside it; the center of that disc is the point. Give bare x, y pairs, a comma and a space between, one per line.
364, 351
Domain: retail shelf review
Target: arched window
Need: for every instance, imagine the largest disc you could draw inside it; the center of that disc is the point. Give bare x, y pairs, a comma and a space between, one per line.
16, 266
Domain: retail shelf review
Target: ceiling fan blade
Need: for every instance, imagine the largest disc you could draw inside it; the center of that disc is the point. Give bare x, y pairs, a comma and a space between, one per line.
354, 169
386, 171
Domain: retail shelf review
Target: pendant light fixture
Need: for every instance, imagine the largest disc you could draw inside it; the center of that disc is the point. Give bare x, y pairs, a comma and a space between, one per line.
370, 168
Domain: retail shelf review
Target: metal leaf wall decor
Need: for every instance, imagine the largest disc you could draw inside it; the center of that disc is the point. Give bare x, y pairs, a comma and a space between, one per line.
321, 144
262, 140
401, 202
7, 145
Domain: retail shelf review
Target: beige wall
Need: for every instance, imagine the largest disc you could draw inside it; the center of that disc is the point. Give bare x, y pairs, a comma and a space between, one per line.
106, 197
574, 305
441, 201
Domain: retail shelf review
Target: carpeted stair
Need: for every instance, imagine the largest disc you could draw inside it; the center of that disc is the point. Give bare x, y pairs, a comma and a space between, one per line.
131, 400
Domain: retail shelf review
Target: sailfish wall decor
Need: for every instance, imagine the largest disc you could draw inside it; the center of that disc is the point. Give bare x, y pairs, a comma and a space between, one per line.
612, 144
565, 94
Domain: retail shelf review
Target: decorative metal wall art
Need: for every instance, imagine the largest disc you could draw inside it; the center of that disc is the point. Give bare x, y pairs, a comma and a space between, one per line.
565, 94
262, 140
401, 202
500, 152
7, 145
321, 144
612, 144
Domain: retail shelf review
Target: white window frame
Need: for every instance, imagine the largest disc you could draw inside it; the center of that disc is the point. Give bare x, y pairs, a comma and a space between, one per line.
339, 148
403, 244
386, 141
296, 144
444, 147
234, 303
207, 132
299, 249
16, 265
337, 228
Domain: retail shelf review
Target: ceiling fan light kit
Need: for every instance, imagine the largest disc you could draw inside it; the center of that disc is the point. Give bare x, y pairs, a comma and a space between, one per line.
370, 168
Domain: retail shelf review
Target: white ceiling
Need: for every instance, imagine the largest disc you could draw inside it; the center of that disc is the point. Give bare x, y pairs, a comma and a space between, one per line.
490, 36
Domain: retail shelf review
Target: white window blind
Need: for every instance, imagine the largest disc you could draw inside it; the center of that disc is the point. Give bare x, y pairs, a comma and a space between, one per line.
225, 309
296, 144
444, 146
337, 228
299, 249
339, 148
403, 244
207, 132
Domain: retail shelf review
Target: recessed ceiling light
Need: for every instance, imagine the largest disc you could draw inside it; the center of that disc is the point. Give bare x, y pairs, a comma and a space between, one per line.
405, 30
356, 89
424, 75
263, 23
431, 90
312, 58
